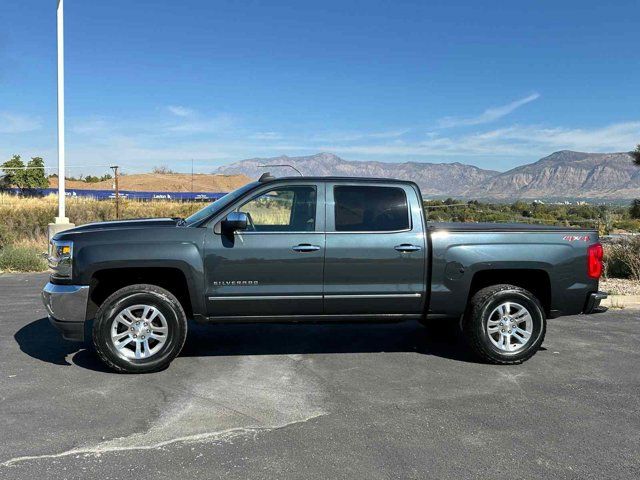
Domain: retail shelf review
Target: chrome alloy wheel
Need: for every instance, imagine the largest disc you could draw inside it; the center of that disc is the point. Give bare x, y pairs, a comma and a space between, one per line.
139, 331
510, 326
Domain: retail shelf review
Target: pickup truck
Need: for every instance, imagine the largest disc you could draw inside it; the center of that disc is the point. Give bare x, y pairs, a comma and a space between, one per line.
310, 249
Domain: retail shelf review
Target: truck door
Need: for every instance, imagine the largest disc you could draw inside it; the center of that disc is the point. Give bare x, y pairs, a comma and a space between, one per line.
275, 266
375, 258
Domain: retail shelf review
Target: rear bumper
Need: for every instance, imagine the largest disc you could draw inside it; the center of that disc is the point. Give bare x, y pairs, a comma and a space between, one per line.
593, 302
67, 308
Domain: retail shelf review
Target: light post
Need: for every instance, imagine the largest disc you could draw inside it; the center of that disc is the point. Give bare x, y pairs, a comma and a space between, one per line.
61, 218
61, 221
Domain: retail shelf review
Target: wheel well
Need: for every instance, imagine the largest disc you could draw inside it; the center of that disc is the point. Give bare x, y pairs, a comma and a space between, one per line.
105, 282
536, 281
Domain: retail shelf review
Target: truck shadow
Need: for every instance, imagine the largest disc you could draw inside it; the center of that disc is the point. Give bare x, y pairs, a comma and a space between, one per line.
305, 338
41, 341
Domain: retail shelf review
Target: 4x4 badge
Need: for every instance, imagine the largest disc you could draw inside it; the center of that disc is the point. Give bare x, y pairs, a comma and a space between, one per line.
576, 238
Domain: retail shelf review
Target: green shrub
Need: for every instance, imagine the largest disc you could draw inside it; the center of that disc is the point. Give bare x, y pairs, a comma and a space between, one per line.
629, 225
614, 267
622, 259
21, 259
7, 236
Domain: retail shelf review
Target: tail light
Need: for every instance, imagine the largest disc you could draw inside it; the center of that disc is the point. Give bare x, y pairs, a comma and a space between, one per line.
594, 260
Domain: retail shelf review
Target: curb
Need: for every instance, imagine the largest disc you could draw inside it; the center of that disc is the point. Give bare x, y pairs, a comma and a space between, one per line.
621, 301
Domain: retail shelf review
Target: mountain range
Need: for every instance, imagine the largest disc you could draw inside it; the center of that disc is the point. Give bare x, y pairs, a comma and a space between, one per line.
564, 174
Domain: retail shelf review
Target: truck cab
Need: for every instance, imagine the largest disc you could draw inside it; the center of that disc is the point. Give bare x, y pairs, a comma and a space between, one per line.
313, 248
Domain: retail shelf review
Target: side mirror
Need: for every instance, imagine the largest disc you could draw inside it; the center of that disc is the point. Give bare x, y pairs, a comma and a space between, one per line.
235, 221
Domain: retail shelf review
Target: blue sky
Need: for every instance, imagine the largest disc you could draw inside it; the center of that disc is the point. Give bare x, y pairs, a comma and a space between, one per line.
495, 84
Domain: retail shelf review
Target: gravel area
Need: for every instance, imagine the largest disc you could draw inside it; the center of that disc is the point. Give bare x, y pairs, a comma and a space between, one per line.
620, 286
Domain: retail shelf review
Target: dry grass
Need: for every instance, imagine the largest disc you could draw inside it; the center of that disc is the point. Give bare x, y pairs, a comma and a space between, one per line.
266, 213
26, 219
23, 231
164, 182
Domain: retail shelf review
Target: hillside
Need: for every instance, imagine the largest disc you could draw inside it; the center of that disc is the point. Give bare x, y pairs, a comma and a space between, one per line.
564, 174
174, 182
567, 174
433, 178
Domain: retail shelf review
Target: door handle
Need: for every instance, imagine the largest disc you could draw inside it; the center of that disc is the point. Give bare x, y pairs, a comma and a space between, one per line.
407, 248
306, 247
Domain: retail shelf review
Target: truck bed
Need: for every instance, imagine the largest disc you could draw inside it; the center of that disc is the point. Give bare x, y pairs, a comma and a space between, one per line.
551, 260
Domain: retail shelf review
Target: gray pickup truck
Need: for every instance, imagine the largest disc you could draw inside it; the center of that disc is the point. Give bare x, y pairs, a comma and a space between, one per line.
315, 249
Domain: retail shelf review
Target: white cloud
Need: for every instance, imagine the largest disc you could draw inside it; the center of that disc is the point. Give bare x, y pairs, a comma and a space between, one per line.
17, 123
355, 136
614, 137
190, 122
180, 111
202, 125
266, 136
489, 115
90, 127
516, 141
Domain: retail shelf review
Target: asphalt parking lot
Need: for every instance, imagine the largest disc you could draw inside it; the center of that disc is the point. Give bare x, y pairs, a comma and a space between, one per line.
319, 401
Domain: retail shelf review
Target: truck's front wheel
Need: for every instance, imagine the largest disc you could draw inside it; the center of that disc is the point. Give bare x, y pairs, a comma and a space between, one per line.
139, 329
504, 324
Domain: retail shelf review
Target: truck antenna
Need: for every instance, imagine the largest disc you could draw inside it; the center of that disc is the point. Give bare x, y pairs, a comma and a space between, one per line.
266, 177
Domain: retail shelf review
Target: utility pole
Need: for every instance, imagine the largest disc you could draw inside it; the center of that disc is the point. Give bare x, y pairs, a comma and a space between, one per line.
192, 175
117, 189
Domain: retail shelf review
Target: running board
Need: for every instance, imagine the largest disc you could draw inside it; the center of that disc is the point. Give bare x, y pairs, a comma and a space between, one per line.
365, 317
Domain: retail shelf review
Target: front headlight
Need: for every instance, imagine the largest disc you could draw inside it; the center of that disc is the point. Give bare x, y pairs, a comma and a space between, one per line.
60, 258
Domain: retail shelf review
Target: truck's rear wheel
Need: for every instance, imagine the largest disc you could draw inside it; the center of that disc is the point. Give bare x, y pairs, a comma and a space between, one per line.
139, 329
504, 324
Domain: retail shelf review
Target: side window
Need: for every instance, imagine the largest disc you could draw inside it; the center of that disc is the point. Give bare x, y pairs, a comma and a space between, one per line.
370, 209
286, 209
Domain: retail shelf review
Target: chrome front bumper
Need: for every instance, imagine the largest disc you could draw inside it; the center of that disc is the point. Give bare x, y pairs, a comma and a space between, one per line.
67, 308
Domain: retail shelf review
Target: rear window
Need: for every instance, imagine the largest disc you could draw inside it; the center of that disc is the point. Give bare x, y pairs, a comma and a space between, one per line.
370, 209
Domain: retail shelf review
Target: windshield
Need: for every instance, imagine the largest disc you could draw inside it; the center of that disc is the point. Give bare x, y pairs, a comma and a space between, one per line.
218, 205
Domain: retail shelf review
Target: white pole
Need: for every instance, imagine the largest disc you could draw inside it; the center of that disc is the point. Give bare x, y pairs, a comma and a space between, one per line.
61, 218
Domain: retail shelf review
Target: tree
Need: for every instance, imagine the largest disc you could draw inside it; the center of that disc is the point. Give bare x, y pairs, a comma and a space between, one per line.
34, 177
635, 206
634, 210
29, 178
162, 170
636, 155
12, 175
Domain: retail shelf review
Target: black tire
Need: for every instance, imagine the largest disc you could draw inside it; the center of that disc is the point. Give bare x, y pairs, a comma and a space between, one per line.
474, 324
165, 302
